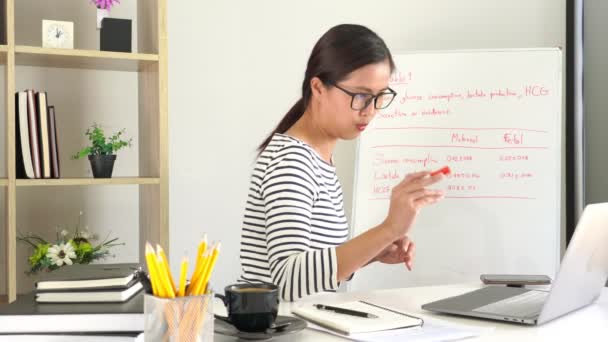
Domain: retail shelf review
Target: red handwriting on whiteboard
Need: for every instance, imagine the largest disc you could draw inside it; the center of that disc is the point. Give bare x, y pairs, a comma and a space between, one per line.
502, 93
465, 175
393, 114
434, 112
380, 189
380, 160
407, 97
386, 175
465, 138
457, 159
515, 175
513, 138
426, 161
535, 90
462, 187
507, 158
477, 93
400, 78
451, 96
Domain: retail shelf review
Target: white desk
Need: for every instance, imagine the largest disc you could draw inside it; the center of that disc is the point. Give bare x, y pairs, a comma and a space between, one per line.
588, 324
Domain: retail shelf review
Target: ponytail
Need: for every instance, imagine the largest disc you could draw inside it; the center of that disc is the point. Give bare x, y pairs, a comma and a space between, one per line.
293, 115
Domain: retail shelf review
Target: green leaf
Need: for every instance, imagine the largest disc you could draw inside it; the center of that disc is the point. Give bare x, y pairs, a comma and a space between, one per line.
100, 145
39, 254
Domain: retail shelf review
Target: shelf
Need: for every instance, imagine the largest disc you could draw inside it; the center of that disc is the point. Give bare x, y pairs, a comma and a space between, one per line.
82, 59
150, 93
88, 181
3, 52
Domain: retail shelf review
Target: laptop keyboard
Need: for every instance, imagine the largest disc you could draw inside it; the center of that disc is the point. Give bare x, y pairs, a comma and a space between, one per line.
523, 305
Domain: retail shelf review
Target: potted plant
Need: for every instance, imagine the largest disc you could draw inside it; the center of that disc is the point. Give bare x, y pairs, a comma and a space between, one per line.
102, 150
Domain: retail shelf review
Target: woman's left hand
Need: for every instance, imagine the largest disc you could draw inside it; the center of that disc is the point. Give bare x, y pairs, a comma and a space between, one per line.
401, 250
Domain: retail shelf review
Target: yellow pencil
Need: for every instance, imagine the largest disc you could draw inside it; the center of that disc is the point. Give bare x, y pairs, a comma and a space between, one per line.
182, 277
152, 271
202, 248
161, 253
164, 278
209, 270
197, 279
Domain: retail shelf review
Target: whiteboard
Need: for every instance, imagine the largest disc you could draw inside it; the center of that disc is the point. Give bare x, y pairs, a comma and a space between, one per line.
492, 116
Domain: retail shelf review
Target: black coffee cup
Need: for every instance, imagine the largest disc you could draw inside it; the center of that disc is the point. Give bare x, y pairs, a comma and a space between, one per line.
251, 307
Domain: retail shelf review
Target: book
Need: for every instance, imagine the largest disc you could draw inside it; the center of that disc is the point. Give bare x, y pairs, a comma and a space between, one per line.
26, 316
386, 319
55, 172
43, 131
89, 277
33, 130
99, 296
25, 169
3, 24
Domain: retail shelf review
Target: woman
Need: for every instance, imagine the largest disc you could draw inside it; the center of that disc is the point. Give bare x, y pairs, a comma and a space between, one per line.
294, 231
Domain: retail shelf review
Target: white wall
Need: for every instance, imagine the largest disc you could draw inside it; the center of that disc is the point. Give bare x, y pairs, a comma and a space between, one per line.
235, 67
80, 97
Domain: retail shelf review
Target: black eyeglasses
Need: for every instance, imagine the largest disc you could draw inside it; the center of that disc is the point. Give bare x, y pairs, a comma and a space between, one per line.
360, 101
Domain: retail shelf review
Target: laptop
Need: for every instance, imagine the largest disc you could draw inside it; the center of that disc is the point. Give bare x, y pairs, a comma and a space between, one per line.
579, 282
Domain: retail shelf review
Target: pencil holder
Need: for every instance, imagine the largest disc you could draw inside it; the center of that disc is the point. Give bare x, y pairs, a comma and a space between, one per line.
184, 319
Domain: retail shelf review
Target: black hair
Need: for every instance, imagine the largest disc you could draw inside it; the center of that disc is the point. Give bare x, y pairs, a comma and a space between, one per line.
340, 51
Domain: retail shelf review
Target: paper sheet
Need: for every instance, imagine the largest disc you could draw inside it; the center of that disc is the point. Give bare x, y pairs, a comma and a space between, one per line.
433, 330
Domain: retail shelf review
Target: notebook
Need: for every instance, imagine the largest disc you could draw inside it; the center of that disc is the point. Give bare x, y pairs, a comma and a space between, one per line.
89, 277
387, 318
26, 316
114, 296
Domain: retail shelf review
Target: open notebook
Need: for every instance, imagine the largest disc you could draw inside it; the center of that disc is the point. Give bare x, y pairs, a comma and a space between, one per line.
346, 324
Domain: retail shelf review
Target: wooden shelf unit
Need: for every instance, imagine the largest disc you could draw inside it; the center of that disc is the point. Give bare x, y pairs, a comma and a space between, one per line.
153, 180
3, 54
82, 59
88, 181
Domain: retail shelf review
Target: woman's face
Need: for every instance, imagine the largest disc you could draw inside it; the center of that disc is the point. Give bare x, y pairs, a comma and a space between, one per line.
337, 116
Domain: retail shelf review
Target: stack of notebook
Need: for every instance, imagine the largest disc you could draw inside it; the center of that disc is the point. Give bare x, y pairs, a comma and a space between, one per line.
100, 283
79, 299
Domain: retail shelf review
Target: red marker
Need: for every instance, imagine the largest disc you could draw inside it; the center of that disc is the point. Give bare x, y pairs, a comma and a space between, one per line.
445, 170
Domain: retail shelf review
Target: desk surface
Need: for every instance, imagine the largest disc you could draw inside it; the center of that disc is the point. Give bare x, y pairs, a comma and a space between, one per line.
587, 324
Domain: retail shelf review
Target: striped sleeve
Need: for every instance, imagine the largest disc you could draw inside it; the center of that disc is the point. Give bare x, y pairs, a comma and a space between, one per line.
289, 192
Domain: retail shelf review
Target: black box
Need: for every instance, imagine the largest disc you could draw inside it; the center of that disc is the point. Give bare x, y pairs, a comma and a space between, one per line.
115, 35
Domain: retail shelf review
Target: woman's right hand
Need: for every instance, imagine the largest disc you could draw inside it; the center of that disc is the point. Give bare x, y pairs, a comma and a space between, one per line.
407, 198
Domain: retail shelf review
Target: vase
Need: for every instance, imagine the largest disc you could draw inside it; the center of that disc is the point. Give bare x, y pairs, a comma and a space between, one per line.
101, 13
102, 165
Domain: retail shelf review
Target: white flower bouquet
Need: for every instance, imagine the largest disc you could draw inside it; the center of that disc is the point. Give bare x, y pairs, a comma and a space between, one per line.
67, 249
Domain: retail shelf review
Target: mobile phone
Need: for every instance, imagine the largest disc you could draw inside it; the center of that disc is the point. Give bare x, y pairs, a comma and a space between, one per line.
515, 279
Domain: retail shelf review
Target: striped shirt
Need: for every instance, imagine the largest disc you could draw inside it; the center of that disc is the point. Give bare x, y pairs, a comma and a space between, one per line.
294, 219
